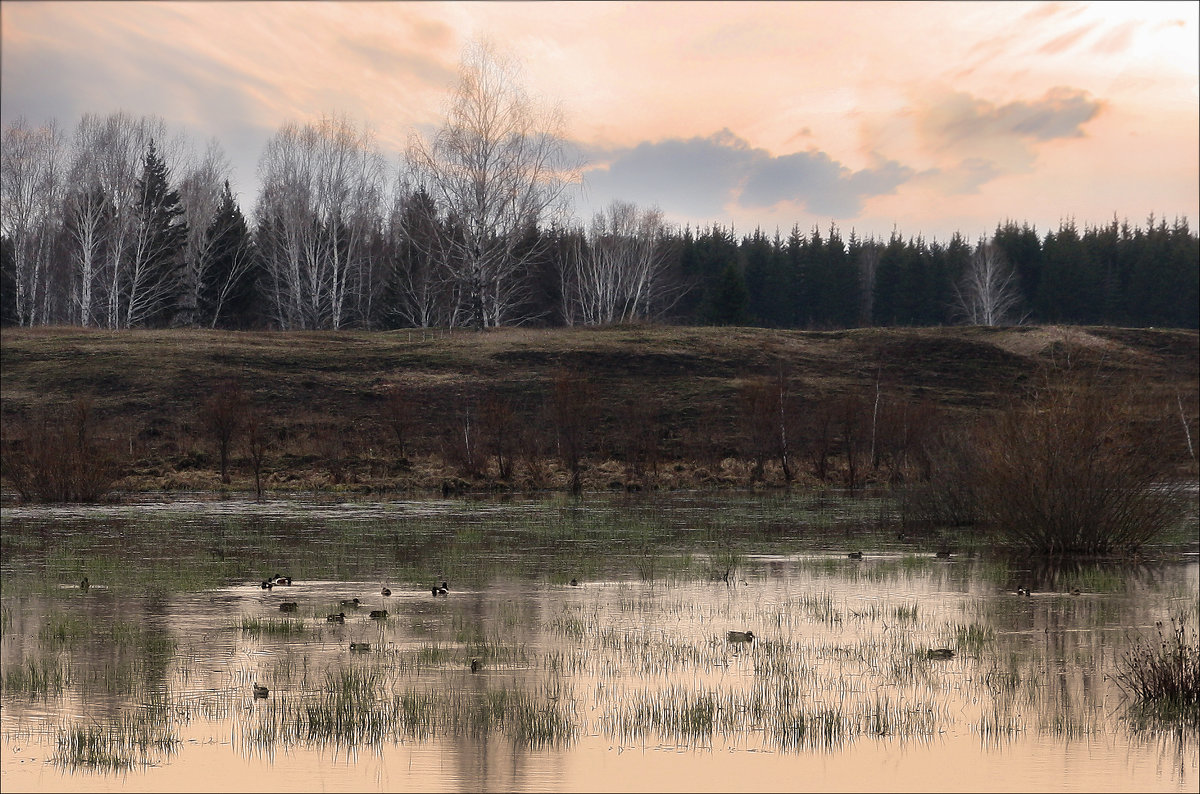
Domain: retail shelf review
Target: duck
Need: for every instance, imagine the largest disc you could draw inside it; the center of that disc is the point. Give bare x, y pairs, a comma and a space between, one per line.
288, 606
574, 583
281, 580
1075, 591
475, 665
83, 585
339, 617
939, 653
360, 647
378, 614
739, 636
855, 555
943, 553
443, 590
385, 592
261, 691
353, 603
1022, 590
267, 584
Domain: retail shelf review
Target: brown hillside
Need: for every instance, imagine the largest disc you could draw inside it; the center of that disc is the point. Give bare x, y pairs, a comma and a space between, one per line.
323, 393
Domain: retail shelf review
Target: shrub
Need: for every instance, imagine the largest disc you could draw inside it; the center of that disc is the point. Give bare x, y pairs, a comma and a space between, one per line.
1073, 471
57, 457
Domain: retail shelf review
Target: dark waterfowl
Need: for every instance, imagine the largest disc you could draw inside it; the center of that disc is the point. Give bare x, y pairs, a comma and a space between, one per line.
261, 691
443, 590
360, 647
353, 603
83, 585
288, 606
855, 555
943, 553
739, 636
281, 580
378, 614
1075, 591
475, 665
939, 653
340, 617
266, 585
574, 583
385, 592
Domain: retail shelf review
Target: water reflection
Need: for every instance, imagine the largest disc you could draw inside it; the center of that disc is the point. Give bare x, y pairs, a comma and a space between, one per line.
626, 680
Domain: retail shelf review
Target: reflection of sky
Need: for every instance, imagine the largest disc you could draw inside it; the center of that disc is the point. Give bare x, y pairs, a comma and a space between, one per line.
840, 624
927, 117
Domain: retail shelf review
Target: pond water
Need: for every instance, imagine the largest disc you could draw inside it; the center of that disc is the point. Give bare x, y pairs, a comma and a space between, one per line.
583, 646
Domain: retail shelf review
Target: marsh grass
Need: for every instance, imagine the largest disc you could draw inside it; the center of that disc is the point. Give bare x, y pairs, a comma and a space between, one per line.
1164, 672
45, 675
141, 738
367, 707
279, 627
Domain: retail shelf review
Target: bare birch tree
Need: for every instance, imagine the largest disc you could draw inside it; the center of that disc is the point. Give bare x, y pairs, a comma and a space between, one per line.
621, 273
201, 191
497, 168
103, 211
987, 293
32, 179
319, 206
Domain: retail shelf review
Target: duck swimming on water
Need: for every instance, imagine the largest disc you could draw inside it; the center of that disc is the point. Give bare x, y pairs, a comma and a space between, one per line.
261, 691
443, 590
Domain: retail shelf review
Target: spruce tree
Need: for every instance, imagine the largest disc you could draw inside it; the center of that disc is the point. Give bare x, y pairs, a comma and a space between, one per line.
152, 283
227, 291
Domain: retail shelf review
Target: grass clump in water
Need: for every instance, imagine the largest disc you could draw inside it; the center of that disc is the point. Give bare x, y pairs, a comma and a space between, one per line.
130, 740
1165, 674
43, 675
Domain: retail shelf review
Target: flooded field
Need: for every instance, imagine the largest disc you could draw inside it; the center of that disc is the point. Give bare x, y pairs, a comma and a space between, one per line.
606, 644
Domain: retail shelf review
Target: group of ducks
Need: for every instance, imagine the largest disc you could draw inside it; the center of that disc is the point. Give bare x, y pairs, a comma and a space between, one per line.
337, 617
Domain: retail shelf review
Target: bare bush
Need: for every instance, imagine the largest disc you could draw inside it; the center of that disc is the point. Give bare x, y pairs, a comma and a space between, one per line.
58, 456
1074, 471
223, 413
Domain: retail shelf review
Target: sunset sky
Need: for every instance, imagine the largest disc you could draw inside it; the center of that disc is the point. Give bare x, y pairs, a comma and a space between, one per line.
927, 118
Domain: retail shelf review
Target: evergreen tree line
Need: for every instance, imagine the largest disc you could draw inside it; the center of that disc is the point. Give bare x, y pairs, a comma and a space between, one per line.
102, 228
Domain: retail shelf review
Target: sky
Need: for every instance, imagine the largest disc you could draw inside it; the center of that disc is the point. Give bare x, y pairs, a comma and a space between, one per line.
921, 118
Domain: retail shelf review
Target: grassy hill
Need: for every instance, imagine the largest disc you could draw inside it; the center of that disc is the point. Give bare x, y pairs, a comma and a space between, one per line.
675, 398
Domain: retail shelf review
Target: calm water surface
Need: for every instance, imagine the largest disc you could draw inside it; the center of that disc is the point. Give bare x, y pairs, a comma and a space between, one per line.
623, 682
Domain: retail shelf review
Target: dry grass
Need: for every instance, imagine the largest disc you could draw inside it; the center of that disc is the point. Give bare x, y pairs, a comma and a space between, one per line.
322, 394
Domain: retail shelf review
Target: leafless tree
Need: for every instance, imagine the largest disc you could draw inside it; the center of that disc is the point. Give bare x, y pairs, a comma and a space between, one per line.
496, 169
201, 191
32, 179
987, 293
103, 214
319, 207
621, 272
422, 284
